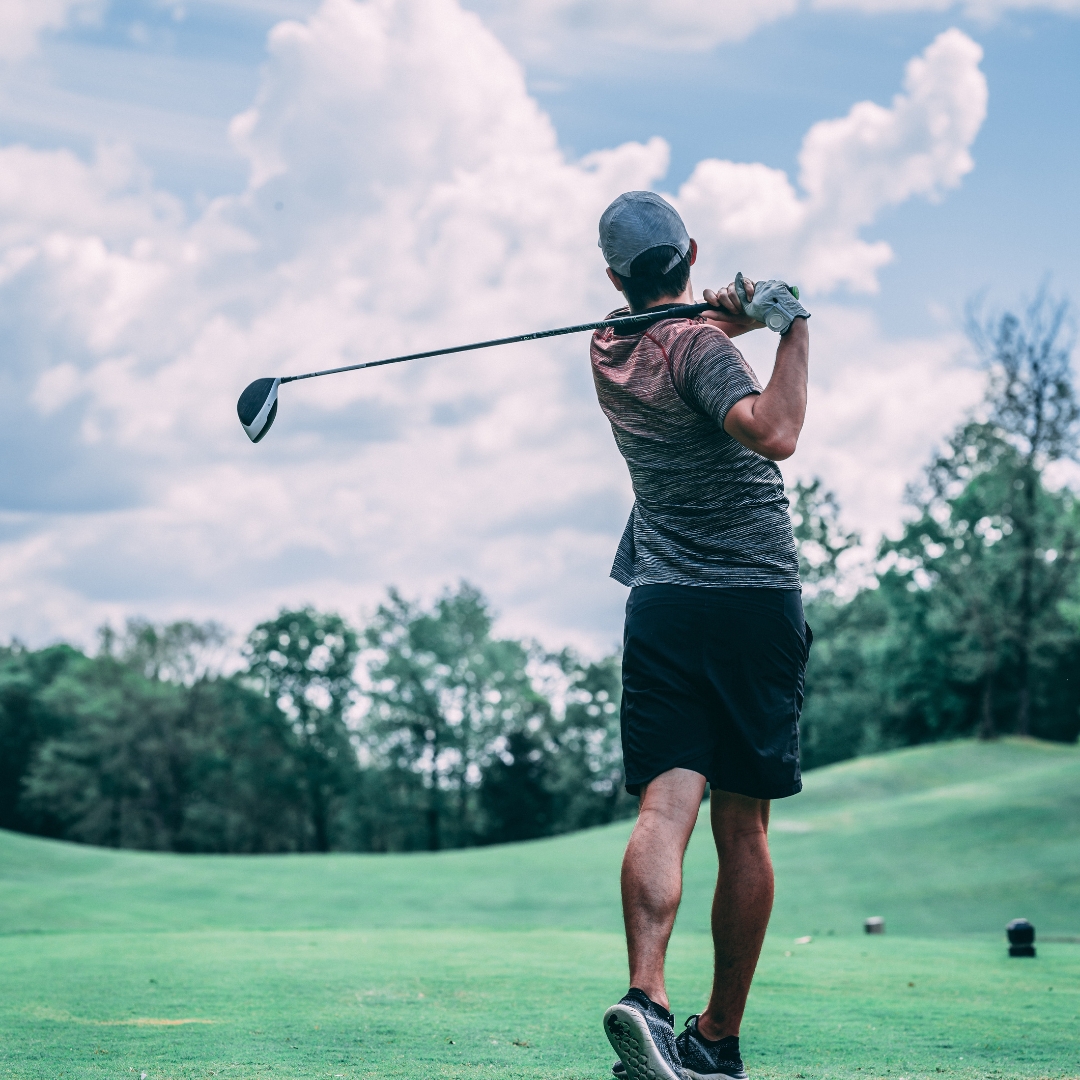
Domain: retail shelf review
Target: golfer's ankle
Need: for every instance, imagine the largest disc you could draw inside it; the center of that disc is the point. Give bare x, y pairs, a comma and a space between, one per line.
654, 991
714, 1030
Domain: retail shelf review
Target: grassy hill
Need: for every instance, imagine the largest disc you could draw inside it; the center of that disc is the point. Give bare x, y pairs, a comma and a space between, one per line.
500, 960
950, 839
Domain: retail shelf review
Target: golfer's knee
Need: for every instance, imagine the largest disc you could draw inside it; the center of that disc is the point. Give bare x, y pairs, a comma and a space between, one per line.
674, 796
738, 821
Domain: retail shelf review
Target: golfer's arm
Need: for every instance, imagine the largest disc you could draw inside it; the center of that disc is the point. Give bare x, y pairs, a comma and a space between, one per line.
769, 423
734, 329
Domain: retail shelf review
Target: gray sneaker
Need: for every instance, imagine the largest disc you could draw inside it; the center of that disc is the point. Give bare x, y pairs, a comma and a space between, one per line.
643, 1035
705, 1060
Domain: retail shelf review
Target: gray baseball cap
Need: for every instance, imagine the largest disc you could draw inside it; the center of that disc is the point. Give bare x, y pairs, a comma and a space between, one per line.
637, 221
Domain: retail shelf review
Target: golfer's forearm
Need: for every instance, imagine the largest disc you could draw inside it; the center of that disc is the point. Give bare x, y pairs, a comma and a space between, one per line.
770, 422
734, 329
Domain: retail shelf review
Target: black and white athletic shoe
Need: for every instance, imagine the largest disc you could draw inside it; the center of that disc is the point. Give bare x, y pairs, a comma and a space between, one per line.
703, 1059
643, 1035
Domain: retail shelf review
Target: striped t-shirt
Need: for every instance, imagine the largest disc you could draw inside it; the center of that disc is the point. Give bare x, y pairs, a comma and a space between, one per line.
707, 510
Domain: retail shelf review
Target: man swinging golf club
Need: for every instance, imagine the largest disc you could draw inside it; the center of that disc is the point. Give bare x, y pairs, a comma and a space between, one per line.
715, 645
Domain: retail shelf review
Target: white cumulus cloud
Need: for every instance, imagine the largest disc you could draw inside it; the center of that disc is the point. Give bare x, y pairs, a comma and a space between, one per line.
405, 192
850, 169
22, 21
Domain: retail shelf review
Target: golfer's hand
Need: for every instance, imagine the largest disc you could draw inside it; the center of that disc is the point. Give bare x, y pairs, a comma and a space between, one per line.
776, 303
729, 309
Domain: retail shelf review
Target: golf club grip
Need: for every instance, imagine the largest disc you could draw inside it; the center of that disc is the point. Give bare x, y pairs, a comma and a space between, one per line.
646, 318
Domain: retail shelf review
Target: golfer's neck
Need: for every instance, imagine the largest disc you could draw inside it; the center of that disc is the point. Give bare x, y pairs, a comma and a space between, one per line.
685, 297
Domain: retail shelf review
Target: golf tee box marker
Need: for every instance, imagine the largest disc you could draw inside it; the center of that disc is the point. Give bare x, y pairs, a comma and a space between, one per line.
1021, 935
258, 404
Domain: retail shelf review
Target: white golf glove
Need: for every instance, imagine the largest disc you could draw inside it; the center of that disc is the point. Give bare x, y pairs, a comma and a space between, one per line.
774, 303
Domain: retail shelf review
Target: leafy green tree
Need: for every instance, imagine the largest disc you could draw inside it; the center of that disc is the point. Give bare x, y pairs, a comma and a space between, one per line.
25, 720
821, 538
968, 626
151, 764
304, 662
448, 700
587, 743
515, 795
848, 705
120, 774
983, 603
843, 706
179, 652
932, 649
248, 793
1034, 408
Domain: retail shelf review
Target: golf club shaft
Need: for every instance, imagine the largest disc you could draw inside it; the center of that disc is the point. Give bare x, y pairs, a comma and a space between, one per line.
629, 322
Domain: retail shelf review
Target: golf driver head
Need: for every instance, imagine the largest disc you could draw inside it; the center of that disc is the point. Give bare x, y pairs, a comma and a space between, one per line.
257, 407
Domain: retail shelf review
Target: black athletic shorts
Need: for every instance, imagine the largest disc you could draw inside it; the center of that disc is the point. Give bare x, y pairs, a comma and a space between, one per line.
713, 682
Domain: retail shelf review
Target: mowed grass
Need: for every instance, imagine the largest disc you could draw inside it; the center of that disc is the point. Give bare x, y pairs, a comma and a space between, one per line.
500, 961
525, 1004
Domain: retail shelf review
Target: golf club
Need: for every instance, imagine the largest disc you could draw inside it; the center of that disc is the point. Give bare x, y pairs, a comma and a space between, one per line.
258, 404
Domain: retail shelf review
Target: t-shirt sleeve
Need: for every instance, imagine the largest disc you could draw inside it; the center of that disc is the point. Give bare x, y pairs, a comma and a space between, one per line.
710, 373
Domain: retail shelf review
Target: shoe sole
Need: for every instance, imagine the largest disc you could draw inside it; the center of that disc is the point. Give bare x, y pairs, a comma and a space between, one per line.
620, 1074
630, 1039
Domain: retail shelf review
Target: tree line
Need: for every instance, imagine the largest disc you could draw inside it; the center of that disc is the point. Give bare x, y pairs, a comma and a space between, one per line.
969, 622
423, 729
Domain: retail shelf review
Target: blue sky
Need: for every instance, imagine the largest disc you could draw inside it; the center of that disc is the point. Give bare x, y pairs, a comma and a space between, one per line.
151, 275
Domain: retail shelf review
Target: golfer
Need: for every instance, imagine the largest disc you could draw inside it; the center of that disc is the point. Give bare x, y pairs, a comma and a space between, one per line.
715, 645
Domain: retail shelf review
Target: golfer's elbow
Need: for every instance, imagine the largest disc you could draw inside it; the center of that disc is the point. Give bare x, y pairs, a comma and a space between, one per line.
773, 433
778, 446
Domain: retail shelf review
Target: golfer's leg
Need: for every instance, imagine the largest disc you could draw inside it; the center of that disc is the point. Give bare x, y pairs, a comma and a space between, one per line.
741, 906
652, 873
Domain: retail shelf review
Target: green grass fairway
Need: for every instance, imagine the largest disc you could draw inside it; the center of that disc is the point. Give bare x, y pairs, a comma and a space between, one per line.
473, 1003
499, 962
